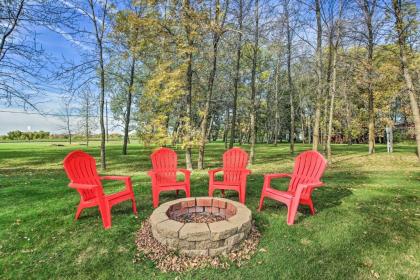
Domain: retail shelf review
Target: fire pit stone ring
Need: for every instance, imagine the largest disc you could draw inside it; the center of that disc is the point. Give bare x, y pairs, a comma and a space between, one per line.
201, 226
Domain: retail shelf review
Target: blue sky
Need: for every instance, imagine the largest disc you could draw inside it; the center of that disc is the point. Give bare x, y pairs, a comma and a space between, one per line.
57, 47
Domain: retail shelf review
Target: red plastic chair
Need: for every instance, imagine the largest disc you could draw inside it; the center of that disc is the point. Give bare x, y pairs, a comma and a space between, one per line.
234, 171
308, 169
81, 170
163, 174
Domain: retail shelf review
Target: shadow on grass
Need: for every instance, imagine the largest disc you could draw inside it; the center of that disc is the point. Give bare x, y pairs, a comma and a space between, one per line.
329, 196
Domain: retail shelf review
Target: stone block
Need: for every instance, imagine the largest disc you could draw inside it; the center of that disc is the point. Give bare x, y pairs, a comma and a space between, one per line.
191, 203
242, 220
217, 244
184, 244
169, 228
158, 217
194, 232
221, 204
221, 230
222, 212
218, 251
204, 201
194, 253
201, 245
214, 210
172, 242
234, 239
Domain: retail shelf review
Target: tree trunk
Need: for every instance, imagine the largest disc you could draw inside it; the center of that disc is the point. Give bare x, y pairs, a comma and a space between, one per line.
69, 132
210, 128
204, 122
348, 115
237, 77
399, 26
101, 110
188, 152
335, 29
371, 102
289, 78
368, 9
315, 140
87, 120
303, 125
276, 103
128, 105
226, 128
99, 33
332, 94
253, 87
324, 130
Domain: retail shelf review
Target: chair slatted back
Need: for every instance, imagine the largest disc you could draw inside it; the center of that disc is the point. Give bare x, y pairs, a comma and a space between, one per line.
81, 169
235, 161
309, 168
164, 162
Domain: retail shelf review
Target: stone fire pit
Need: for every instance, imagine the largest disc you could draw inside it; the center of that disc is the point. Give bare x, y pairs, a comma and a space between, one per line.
206, 238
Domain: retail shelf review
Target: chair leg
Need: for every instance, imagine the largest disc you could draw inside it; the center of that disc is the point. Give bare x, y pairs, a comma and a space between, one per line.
223, 193
311, 207
242, 195
133, 204
187, 192
177, 192
78, 212
211, 190
155, 199
291, 212
261, 202
105, 214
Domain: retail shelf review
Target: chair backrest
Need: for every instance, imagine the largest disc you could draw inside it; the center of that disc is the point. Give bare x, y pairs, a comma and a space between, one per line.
309, 167
81, 169
164, 162
235, 161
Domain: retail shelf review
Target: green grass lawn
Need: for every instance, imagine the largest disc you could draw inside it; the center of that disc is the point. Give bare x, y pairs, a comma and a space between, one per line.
366, 227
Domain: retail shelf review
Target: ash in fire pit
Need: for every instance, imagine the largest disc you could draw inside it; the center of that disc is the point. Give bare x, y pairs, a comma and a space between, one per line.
202, 226
199, 218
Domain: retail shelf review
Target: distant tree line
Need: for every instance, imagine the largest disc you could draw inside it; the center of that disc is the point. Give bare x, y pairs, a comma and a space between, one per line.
26, 135
43, 135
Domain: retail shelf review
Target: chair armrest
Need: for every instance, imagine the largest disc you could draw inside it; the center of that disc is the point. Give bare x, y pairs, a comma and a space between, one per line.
277, 175
118, 178
83, 186
269, 177
313, 185
185, 171
125, 179
301, 187
151, 173
214, 171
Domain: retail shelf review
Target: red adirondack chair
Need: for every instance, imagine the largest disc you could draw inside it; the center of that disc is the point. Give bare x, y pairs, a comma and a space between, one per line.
163, 174
307, 172
234, 171
81, 170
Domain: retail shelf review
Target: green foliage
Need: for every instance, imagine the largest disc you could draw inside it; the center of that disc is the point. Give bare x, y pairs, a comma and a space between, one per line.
30, 135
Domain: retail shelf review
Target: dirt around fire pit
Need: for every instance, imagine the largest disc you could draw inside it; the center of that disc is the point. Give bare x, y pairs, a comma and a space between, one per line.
167, 259
175, 225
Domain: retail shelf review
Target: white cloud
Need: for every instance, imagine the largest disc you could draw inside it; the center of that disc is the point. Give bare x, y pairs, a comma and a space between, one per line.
70, 38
